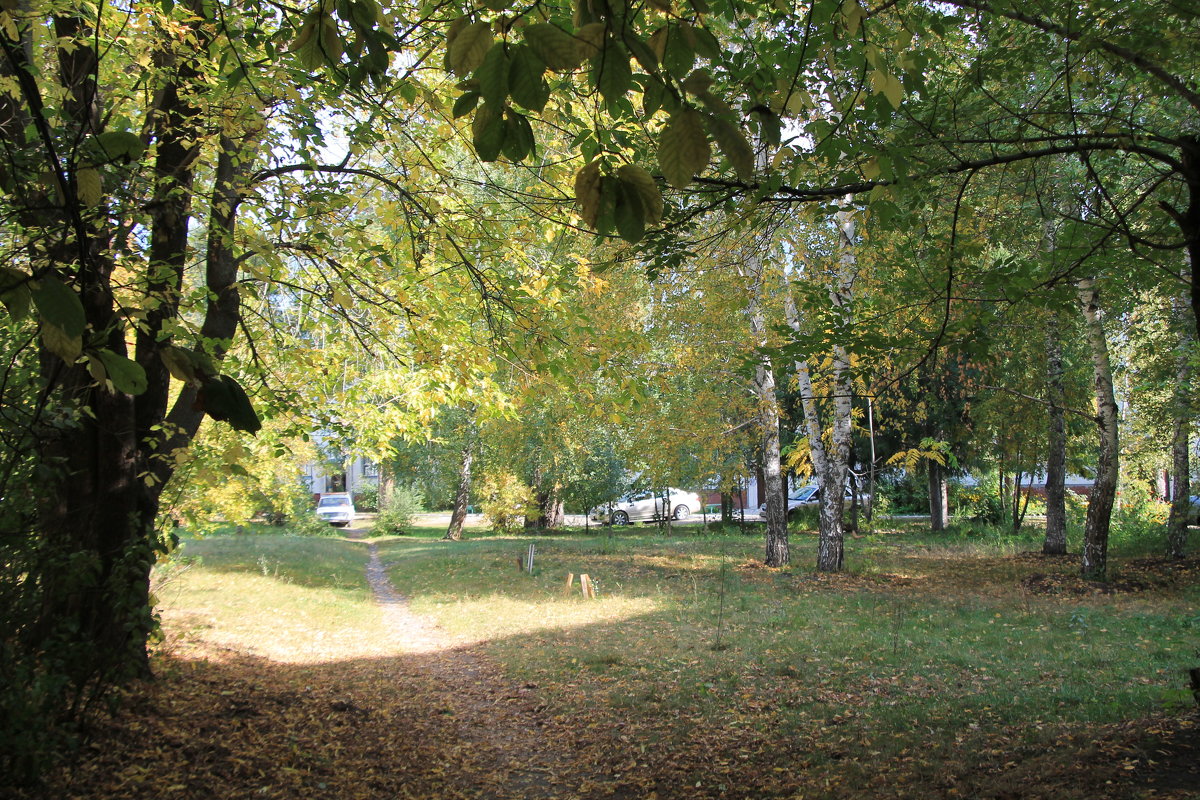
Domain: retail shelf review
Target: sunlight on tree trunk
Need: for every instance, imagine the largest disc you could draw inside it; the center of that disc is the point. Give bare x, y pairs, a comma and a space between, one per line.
463, 493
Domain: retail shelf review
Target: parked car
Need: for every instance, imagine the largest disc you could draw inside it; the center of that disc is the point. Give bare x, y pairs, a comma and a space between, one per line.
647, 504
336, 508
810, 497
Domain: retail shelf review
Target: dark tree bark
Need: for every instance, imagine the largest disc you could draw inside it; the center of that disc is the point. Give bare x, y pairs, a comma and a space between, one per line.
1104, 490
939, 497
1181, 487
1055, 542
107, 453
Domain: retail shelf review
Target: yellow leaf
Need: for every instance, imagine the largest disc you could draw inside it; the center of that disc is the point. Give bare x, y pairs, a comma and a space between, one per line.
587, 193
683, 148
645, 187
89, 186
469, 47
894, 91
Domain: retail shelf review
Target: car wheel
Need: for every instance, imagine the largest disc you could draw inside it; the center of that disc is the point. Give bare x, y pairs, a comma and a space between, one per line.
620, 518
682, 512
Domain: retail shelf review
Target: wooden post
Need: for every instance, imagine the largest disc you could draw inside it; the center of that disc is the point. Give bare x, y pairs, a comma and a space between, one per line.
570, 580
520, 564
584, 583
529, 561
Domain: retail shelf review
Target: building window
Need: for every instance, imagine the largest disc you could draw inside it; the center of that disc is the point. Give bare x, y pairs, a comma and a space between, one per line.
370, 468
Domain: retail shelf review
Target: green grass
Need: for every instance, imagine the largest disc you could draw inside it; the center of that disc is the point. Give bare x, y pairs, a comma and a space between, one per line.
926, 633
266, 592
927, 645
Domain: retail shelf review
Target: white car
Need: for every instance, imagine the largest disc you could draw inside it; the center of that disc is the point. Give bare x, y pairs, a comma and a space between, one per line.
809, 497
647, 504
336, 509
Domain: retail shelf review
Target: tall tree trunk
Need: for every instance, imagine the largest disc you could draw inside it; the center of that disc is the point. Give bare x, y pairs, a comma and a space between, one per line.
1104, 491
1055, 542
778, 553
1181, 487
109, 464
463, 494
939, 497
830, 464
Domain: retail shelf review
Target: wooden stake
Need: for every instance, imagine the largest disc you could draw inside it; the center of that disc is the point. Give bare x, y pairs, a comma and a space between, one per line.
570, 580
584, 582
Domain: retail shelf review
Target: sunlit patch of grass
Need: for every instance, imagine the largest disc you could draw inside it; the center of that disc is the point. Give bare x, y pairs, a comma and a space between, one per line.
288, 598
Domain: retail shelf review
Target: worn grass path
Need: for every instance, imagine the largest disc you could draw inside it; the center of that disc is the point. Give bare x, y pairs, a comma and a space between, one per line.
395, 709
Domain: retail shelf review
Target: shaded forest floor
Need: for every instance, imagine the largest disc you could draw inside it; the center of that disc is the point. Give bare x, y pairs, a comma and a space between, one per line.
391, 705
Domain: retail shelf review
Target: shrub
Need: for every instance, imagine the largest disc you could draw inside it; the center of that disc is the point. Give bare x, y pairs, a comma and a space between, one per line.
506, 501
1138, 518
366, 498
400, 505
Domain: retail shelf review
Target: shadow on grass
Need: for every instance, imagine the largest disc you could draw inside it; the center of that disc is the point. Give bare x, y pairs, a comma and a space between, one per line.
449, 725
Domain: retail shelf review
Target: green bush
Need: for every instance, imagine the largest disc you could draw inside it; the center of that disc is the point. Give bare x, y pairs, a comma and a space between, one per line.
400, 505
304, 521
506, 501
366, 498
1139, 519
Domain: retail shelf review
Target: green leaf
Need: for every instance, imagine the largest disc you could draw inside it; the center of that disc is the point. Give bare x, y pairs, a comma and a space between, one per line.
89, 186
678, 57
652, 95
223, 399
638, 180
770, 127
487, 133
683, 148
612, 73
558, 50
734, 145
629, 215
703, 42
180, 364
59, 342
14, 292
518, 136
493, 76
126, 375
465, 104
642, 52
525, 82
587, 193
120, 145
59, 305
469, 47
610, 190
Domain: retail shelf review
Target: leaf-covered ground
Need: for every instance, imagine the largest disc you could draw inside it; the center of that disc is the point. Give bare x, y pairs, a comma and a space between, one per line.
396, 708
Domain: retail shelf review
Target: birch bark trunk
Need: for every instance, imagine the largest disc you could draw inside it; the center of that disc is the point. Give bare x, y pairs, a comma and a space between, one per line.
830, 464
777, 548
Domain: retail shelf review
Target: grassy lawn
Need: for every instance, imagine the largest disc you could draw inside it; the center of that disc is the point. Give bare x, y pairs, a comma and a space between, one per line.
934, 656
928, 645
288, 598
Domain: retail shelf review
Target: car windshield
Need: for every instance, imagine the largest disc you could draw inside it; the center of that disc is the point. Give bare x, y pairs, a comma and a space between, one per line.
804, 494
326, 502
